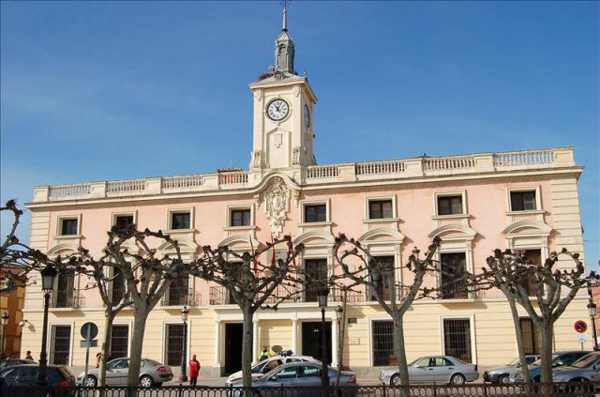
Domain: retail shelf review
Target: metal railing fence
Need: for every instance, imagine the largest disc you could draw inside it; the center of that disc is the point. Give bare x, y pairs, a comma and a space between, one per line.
570, 389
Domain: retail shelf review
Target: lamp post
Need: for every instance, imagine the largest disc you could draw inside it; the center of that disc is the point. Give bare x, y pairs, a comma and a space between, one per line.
48, 275
592, 309
323, 293
184, 316
4, 320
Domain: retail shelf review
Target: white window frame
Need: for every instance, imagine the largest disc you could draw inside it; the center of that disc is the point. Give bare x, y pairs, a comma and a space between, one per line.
179, 210
368, 199
129, 325
50, 340
233, 207
165, 324
451, 248
59, 223
465, 210
114, 215
305, 203
538, 199
471, 318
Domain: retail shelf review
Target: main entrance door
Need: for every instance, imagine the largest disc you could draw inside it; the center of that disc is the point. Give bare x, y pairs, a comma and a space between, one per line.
233, 348
311, 340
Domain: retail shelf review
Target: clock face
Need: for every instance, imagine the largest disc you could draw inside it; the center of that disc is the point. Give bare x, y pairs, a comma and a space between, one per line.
278, 109
306, 116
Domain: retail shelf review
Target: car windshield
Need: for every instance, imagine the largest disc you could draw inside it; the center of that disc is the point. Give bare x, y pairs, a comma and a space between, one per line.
538, 362
586, 361
258, 367
514, 362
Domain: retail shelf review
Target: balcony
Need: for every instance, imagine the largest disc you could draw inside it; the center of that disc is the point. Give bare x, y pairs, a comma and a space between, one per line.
233, 179
66, 299
180, 297
218, 295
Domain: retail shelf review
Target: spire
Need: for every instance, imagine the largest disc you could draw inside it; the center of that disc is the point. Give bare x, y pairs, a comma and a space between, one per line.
284, 46
285, 13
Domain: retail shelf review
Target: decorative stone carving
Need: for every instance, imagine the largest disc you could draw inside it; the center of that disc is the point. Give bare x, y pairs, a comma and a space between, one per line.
276, 198
296, 156
258, 159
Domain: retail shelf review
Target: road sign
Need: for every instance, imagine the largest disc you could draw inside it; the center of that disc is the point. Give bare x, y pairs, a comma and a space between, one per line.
580, 326
89, 331
91, 343
582, 338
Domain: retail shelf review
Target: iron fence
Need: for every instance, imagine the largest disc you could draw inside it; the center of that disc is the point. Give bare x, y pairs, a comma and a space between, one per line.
571, 389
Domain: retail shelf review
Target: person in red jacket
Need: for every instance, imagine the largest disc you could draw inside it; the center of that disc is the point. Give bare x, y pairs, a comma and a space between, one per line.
194, 368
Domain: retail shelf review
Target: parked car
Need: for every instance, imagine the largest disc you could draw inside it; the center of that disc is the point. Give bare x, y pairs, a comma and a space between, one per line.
433, 370
586, 369
23, 377
14, 361
502, 375
559, 359
286, 378
261, 368
152, 373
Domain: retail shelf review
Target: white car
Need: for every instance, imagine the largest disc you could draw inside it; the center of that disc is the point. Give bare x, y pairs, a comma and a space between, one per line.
262, 367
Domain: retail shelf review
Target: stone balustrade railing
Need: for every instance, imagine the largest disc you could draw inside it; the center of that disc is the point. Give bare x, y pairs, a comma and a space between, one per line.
317, 174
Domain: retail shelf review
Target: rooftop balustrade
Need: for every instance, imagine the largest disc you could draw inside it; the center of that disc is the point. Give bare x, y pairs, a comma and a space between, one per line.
424, 166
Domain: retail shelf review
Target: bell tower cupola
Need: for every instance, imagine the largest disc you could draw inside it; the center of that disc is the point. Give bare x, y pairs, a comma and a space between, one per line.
284, 106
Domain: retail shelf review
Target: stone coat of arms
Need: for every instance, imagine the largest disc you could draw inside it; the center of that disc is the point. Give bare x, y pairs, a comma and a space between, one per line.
276, 198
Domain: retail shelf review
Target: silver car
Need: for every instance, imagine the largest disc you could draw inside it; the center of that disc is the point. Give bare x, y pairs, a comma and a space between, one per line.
433, 370
286, 379
586, 369
502, 375
152, 373
262, 367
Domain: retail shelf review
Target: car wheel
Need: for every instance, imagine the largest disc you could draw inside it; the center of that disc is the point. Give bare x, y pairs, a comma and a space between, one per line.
503, 379
395, 380
146, 381
457, 379
90, 381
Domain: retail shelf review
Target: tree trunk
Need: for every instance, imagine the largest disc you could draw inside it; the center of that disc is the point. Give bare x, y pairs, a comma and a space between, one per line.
547, 341
519, 335
247, 347
110, 317
137, 341
400, 353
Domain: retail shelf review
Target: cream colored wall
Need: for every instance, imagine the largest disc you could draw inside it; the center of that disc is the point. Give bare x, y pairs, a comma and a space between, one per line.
275, 332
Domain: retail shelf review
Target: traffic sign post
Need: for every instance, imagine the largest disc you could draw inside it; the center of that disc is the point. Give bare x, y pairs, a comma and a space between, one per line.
88, 331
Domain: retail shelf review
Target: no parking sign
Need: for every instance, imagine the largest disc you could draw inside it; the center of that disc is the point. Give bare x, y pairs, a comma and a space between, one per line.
580, 326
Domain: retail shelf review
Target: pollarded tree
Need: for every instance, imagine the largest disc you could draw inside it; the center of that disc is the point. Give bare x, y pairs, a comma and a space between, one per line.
544, 291
251, 282
395, 296
109, 282
147, 275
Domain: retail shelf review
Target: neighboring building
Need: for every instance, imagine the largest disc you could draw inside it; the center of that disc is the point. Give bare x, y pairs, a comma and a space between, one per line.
476, 202
11, 304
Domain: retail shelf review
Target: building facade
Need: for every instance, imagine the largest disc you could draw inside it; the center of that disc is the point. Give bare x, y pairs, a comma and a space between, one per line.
526, 200
11, 319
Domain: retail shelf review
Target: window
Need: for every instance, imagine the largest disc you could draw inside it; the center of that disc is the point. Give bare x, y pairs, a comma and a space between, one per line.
119, 341
123, 221
383, 278
315, 213
69, 226
534, 257
180, 220
380, 209
64, 294
523, 200
440, 362
315, 271
450, 205
240, 217
383, 343
309, 371
177, 292
61, 344
121, 363
531, 337
453, 276
287, 373
457, 339
118, 286
175, 334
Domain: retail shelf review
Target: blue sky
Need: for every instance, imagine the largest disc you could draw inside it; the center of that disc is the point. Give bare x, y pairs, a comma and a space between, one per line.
110, 90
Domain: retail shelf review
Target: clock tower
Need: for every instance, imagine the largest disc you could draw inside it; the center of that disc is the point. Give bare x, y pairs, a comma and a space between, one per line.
284, 104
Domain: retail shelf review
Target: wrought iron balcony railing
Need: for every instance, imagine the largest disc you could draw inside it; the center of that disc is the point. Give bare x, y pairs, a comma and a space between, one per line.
180, 297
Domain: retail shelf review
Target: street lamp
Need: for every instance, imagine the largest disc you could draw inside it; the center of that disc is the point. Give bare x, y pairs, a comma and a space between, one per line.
592, 310
48, 275
323, 293
4, 320
184, 316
